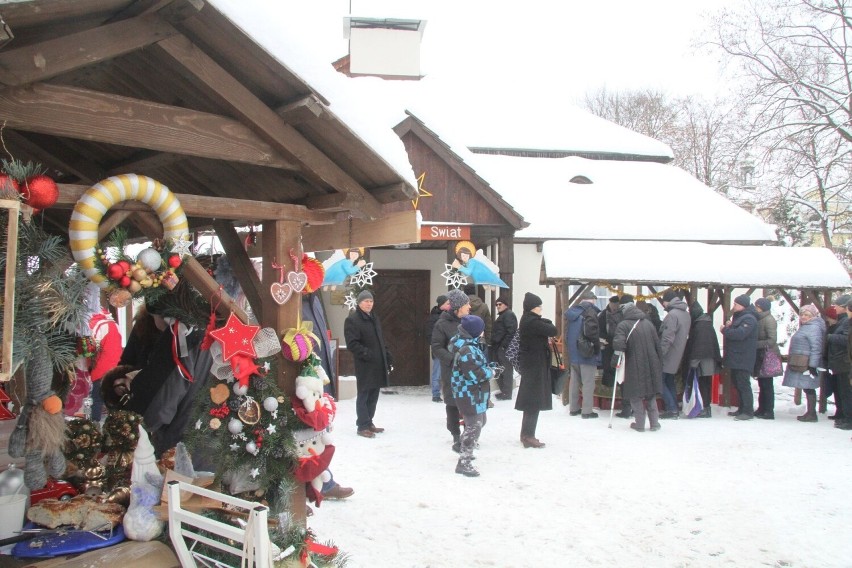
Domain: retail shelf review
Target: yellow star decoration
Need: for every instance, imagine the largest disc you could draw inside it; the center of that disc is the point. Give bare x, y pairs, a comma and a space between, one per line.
420, 191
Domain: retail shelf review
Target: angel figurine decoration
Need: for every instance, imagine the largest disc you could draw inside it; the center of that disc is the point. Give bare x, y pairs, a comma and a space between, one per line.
342, 265
477, 268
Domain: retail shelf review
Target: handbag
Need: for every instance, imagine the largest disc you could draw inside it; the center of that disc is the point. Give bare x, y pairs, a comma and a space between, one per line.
513, 351
692, 404
558, 373
771, 366
798, 362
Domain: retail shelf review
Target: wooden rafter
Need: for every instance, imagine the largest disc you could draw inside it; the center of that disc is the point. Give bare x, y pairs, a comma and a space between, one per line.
219, 207
53, 57
241, 264
315, 165
102, 117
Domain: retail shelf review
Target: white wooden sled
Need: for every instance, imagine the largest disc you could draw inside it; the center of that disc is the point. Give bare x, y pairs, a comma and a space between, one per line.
183, 524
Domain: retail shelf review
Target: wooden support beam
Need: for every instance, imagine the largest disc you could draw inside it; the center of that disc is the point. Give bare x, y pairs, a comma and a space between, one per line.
197, 275
281, 237
314, 164
241, 264
113, 220
786, 296
53, 57
218, 207
102, 117
394, 228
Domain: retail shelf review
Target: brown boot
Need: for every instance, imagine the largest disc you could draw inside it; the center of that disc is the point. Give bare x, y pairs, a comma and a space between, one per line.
530, 442
810, 415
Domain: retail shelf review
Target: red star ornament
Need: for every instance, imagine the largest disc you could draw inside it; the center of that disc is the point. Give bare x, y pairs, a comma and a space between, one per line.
236, 338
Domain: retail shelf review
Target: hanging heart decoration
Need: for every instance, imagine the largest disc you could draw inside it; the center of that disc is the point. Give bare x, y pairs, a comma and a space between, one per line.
281, 292
298, 280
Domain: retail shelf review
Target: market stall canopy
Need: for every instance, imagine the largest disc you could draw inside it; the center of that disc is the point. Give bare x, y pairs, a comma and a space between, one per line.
649, 263
578, 198
182, 92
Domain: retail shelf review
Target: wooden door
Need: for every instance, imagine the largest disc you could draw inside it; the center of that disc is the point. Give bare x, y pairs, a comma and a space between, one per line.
402, 305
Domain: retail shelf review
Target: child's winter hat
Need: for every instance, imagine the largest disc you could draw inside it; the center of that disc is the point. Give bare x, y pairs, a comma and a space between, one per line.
473, 325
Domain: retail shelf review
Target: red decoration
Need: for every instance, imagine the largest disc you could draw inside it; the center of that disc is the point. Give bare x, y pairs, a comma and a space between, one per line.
125, 281
40, 192
236, 337
315, 272
5, 414
115, 271
174, 261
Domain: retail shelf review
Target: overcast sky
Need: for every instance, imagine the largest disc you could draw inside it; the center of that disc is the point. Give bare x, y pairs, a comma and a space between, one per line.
497, 49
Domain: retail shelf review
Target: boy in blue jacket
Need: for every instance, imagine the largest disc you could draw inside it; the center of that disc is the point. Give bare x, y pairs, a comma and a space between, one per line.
470, 384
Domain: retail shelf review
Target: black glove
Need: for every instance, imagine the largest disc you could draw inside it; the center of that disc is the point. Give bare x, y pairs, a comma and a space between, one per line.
814, 373
614, 361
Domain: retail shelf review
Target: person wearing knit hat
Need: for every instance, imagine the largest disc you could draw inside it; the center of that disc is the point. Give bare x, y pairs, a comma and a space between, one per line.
457, 299
674, 332
830, 314
474, 325
442, 304
531, 301
768, 364
613, 300
837, 361
805, 356
843, 300
504, 329
534, 394
470, 384
739, 335
625, 299
445, 329
362, 331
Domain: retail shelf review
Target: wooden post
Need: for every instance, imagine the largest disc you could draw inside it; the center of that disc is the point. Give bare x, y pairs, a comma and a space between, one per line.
727, 384
12, 208
280, 237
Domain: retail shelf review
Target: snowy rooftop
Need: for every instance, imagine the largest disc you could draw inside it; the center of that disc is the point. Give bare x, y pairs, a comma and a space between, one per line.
626, 200
693, 263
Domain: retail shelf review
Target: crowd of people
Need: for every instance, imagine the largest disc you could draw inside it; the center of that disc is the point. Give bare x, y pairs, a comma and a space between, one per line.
649, 352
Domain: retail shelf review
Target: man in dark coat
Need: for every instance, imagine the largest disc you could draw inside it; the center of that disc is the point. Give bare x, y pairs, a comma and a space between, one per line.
739, 346
534, 394
838, 364
504, 328
636, 337
608, 320
442, 304
480, 308
363, 334
446, 327
702, 354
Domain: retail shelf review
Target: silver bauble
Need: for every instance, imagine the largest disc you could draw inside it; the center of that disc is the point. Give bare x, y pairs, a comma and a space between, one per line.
150, 260
235, 426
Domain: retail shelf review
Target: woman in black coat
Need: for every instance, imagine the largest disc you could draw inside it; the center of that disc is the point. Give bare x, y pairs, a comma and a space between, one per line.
534, 394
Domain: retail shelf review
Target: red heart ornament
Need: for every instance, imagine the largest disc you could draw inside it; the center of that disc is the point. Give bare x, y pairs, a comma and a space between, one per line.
298, 280
281, 292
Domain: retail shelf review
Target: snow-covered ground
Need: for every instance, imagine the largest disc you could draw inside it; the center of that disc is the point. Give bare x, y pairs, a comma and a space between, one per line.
698, 493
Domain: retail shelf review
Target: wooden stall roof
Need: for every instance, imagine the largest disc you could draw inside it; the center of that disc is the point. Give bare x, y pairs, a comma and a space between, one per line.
655, 262
173, 90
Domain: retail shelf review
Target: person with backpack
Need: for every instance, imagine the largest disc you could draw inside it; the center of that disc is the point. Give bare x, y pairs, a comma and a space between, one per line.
470, 383
505, 328
582, 339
